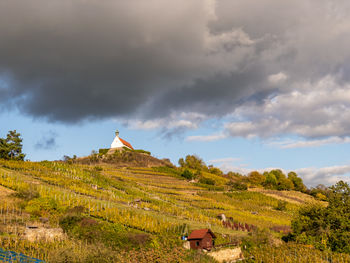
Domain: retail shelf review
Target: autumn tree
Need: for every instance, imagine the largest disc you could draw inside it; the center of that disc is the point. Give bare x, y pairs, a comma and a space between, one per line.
256, 178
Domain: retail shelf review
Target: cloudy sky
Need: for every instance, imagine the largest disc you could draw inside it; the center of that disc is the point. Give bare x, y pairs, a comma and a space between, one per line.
244, 84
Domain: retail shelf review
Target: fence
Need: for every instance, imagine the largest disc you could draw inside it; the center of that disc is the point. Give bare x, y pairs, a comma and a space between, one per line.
10, 256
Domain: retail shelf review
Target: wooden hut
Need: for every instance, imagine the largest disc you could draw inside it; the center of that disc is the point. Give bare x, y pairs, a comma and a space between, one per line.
201, 239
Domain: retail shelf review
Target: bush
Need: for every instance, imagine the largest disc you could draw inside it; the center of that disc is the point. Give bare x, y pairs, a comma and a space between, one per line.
207, 181
187, 174
142, 151
281, 205
27, 194
239, 186
68, 222
321, 197
103, 151
94, 231
257, 238
42, 206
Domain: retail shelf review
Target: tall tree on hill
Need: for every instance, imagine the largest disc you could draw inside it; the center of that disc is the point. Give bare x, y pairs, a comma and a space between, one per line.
11, 146
193, 162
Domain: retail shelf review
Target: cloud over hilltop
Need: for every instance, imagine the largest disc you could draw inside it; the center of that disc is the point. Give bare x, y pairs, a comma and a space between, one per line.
260, 64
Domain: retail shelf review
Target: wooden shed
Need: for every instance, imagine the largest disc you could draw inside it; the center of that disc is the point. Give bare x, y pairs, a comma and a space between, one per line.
202, 239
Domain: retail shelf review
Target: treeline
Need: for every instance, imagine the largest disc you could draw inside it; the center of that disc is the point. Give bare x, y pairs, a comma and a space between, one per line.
193, 166
275, 180
11, 147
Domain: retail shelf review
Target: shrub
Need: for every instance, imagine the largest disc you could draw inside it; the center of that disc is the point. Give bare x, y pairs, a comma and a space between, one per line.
257, 238
142, 151
94, 231
42, 206
68, 222
27, 194
281, 205
187, 174
103, 151
240, 186
207, 181
216, 171
321, 197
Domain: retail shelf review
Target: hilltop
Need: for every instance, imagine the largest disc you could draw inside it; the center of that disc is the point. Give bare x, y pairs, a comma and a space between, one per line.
107, 208
122, 158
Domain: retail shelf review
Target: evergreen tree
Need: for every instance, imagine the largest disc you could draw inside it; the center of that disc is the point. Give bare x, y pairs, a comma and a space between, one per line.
11, 146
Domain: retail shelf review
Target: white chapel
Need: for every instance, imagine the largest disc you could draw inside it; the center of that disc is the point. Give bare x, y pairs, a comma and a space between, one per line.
120, 143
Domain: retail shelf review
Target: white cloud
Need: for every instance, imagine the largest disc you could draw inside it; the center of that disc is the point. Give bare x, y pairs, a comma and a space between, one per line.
313, 110
206, 138
290, 144
175, 124
277, 78
225, 160
326, 175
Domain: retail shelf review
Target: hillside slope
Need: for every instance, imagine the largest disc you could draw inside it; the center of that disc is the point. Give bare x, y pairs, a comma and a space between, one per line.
147, 209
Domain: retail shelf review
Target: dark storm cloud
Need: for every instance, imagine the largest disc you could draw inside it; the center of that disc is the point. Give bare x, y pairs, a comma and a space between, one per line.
71, 60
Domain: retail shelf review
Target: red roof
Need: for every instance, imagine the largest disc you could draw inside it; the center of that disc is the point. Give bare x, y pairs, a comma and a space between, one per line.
126, 143
199, 234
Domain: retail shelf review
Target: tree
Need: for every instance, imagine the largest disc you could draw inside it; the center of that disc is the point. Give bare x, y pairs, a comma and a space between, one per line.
256, 178
283, 183
187, 174
11, 147
320, 192
270, 181
297, 182
193, 162
326, 227
215, 170
4, 149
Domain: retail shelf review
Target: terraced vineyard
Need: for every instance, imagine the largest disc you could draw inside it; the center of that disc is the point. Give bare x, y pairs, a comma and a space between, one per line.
146, 209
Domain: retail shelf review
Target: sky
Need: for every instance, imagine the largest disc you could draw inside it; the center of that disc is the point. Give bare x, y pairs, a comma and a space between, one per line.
246, 85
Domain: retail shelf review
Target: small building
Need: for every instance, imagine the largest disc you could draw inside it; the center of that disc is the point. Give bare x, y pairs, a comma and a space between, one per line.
201, 239
120, 143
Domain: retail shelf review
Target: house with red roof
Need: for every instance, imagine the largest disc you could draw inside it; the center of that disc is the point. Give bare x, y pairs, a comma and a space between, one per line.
201, 239
120, 143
